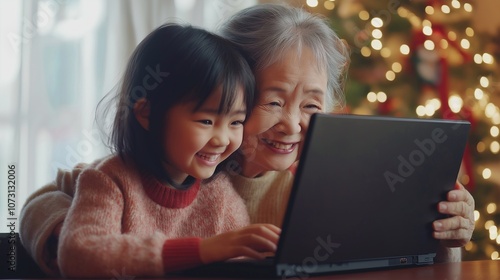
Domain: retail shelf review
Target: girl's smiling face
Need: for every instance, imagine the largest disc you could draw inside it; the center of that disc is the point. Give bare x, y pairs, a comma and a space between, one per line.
289, 92
195, 142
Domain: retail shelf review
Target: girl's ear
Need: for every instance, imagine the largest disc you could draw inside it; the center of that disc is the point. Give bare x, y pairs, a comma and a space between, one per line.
141, 112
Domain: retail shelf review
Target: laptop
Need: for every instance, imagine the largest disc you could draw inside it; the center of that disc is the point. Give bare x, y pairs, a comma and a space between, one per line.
364, 196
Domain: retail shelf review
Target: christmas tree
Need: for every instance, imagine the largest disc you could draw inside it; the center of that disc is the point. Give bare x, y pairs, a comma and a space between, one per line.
424, 59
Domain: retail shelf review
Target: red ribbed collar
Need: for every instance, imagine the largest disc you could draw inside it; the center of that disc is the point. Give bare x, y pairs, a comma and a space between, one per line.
167, 196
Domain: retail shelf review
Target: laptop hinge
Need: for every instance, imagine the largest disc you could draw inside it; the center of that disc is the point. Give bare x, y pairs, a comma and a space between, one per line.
289, 270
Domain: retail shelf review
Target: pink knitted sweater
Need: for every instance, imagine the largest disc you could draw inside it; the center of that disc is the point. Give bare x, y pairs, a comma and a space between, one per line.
123, 223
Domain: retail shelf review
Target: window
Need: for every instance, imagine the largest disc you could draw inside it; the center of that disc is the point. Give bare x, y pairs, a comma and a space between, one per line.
58, 59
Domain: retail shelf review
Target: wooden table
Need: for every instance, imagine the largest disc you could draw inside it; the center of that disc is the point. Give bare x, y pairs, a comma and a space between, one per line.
470, 270
467, 270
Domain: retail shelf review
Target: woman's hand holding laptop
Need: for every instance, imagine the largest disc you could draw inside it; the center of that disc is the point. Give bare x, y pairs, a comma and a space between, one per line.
456, 230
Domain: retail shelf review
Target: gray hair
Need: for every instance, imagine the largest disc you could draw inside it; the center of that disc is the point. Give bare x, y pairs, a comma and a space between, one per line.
266, 31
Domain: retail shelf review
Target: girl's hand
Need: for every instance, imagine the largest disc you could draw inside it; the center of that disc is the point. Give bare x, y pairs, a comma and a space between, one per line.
457, 230
253, 241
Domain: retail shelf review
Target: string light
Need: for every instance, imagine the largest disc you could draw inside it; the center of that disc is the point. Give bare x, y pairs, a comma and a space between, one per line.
487, 58
390, 75
488, 224
468, 7
469, 246
371, 96
455, 4
490, 110
455, 103
429, 10
465, 44
493, 232
496, 118
477, 215
452, 36
443, 43
429, 110
494, 131
495, 147
396, 67
427, 30
481, 147
478, 93
329, 5
381, 97
420, 110
478, 59
365, 51
434, 102
374, 97
377, 22
469, 31
414, 20
486, 173
376, 33
402, 12
445, 9
429, 45
312, 3
491, 208
404, 49
484, 82
364, 15
385, 52
376, 44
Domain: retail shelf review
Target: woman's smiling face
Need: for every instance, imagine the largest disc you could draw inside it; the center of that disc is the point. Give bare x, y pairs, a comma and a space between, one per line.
289, 92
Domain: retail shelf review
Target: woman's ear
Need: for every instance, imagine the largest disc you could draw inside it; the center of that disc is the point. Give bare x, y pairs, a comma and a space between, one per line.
141, 112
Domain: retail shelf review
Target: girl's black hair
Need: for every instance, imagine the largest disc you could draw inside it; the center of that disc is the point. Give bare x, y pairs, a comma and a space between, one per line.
174, 64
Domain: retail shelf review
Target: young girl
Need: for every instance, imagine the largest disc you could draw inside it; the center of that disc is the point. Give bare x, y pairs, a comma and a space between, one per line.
141, 211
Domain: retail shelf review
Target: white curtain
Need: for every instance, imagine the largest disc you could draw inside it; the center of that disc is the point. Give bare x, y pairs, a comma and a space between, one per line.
58, 58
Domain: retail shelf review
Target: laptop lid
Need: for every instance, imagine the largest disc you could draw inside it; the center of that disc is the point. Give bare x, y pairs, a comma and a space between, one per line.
366, 192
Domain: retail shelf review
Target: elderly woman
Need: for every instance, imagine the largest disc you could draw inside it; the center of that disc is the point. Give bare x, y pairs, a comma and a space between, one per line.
298, 62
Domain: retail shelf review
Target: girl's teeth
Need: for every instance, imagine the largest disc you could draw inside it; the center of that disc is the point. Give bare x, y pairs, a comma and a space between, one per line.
209, 157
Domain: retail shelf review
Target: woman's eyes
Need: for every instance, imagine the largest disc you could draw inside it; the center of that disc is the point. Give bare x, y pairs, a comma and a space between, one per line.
312, 106
274, 103
308, 106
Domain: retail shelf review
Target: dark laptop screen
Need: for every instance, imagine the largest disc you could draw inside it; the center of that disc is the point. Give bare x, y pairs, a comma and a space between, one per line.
368, 187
